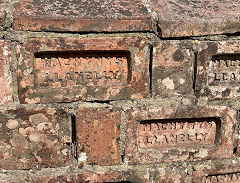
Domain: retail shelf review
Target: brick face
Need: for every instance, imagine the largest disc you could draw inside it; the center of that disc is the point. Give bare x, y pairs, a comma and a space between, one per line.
5, 73
173, 68
109, 68
98, 135
83, 16
201, 18
34, 138
218, 69
150, 139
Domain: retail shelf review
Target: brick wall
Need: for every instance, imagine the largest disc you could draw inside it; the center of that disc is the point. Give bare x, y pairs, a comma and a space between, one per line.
119, 91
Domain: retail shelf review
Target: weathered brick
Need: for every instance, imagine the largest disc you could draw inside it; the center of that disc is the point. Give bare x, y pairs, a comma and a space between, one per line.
218, 66
170, 174
217, 173
172, 68
177, 18
82, 16
34, 138
6, 95
98, 133
164, 134
109, 68
91, 177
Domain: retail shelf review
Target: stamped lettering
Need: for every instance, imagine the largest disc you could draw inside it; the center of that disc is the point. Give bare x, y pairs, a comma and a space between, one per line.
175, 132
62, 69
224, 69
222, 178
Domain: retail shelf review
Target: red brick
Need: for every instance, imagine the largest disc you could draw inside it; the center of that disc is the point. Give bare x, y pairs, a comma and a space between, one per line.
98, 133
122, 64
217, 173
5, 73
34, 138
218, 69
177, 18
172, 68
164, 134
82, 16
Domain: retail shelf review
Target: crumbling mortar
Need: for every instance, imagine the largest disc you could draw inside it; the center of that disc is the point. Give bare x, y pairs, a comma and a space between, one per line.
123, 135
14, 72
23, 36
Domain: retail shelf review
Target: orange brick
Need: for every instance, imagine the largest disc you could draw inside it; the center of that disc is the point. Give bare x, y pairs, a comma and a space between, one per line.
164, 134
109, 68
82, 16
98, 133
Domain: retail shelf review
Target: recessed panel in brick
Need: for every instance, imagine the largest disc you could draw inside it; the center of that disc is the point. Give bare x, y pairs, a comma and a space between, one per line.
64, 70
179, 134
218, 67
98, 136
5, 73
172, 68
33, 138
82, 16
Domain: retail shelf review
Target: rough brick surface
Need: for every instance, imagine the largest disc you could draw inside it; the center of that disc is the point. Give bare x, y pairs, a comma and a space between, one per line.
179, 18
188, 134
217, 173
82, 16
109, 68
34, 138
172, 68
218, 66
5, 73
98, 132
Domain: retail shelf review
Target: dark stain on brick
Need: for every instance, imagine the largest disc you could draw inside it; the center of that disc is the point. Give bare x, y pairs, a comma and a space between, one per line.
212, 48
226, 92
178, 55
